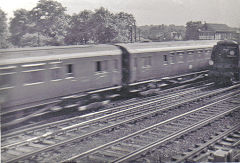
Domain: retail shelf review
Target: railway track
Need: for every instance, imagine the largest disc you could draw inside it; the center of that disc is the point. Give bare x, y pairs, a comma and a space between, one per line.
42, 143
176, 92
135, 144
95, 117
225, 140
26, 112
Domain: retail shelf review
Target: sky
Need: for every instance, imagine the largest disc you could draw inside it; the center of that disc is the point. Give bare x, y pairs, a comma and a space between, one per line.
150, 12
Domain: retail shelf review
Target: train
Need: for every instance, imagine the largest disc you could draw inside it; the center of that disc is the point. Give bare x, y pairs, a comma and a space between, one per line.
29, 75
225, 63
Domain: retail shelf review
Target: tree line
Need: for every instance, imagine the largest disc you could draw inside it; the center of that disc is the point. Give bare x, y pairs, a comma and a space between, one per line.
47, 24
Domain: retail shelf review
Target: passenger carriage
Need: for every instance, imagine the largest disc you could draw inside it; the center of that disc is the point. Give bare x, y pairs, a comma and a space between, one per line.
37, 74
45, 73
157, 60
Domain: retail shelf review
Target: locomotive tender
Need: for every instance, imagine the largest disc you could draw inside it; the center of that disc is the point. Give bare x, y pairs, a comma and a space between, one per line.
36, 74
225, 61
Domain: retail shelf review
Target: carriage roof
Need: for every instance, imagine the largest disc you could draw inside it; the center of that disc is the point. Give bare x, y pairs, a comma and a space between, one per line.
227, 42
167, 46
14, 56
22, 55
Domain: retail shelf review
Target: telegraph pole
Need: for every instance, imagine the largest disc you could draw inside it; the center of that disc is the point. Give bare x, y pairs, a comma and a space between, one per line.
135, 31
139, 34
131, 34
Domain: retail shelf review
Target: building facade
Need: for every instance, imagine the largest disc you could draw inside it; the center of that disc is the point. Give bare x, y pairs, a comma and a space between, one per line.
210, 31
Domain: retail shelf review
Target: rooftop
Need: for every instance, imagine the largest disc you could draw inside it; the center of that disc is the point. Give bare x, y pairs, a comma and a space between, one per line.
216, 27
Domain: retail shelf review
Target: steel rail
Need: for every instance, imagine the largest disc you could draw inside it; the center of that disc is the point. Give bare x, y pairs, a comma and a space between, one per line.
177, 134
82, 124
205, 145
114, 125
148, 102
87, 115
143, 130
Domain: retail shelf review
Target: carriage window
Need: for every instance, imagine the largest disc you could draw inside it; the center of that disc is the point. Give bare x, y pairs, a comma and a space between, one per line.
190, 56
56, 73
165, 58
101, 66
200, 52
33, 76
6, 76
147, 61
6, 80
171, 58
98, 66
180, 57
207, 53
7, 69
69, 68
56, 70
33, 73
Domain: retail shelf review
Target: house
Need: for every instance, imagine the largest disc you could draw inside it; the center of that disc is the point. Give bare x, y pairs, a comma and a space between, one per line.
209, 31
176, 36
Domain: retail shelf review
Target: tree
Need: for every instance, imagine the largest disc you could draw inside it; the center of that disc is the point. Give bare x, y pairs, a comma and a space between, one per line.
192, 30
80, 30
126, 24
3, 30
105, 28
50, 21
19, 26
100, 26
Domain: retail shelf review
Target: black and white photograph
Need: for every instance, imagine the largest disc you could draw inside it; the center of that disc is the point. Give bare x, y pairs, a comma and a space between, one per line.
120, 81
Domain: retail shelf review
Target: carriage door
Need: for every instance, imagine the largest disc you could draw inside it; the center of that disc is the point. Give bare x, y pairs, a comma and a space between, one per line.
135, 72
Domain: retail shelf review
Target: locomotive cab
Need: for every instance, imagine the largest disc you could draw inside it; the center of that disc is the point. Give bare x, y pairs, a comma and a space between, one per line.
225, 62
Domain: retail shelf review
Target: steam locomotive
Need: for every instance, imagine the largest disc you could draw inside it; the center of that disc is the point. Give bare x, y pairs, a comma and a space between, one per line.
225, 63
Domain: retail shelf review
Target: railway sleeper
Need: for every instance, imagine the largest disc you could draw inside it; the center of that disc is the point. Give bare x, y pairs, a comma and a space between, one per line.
199, 158
94, 158
177, 124
37, 145
49, 142
225, 143
121, 149
177, 157
131, 145
71, 134
6, 156
229, 139
235, 135
236, 143
27, 148
71, 106
147, 138
110, 153
15, 152
163, 132
139, 141
171, 128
